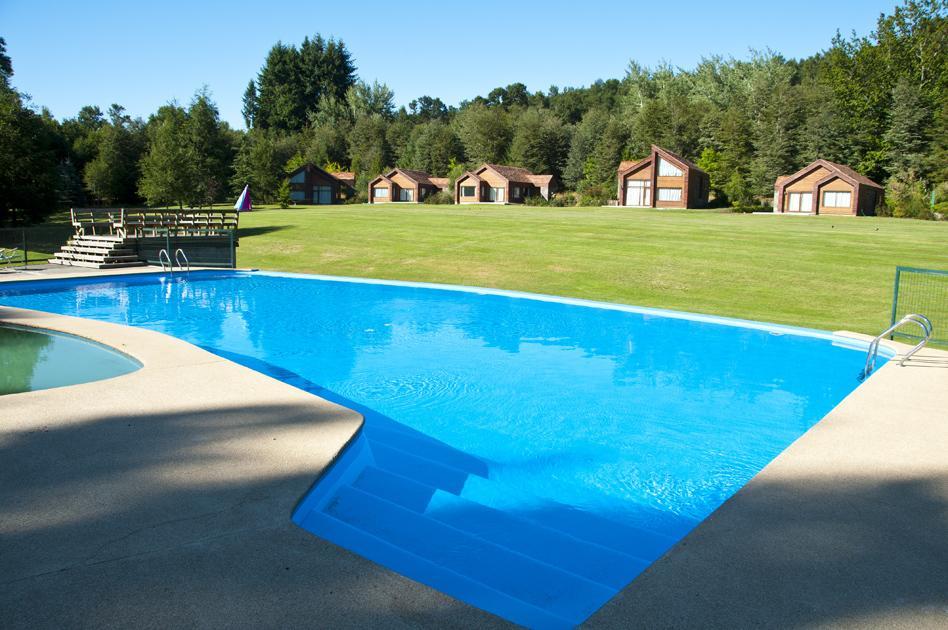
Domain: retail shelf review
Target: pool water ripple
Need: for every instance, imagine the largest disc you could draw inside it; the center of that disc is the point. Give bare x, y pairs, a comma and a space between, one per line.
527, 455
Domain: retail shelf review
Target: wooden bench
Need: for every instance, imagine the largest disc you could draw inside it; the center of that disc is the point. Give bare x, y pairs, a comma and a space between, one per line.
95, 222
148, 222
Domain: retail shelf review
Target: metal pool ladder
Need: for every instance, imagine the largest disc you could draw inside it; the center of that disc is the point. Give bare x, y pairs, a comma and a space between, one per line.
914, 318
178, 257
162, 257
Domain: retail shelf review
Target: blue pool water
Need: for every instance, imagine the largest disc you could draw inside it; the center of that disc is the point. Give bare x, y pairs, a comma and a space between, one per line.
32, 359
529, 456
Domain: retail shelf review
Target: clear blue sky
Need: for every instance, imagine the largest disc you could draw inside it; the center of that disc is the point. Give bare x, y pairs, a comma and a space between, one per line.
142, 55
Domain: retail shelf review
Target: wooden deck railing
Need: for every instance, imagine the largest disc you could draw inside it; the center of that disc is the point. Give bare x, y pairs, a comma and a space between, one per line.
132, 223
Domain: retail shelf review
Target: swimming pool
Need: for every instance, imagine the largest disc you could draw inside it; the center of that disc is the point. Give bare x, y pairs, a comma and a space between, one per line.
32, 359
526, 454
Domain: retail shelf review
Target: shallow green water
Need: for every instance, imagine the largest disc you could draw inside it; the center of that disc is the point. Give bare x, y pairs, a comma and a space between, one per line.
31, 360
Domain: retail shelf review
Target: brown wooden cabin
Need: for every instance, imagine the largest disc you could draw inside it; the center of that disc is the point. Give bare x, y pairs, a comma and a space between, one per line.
494, 183
662, 180
310, 184
836, 189
402, 185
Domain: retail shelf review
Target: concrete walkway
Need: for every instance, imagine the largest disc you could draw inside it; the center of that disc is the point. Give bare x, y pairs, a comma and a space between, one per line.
162, 499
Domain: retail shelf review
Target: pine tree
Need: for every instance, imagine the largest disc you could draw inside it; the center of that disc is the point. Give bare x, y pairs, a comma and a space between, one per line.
906, 139
168, 172
249, 109
210, 150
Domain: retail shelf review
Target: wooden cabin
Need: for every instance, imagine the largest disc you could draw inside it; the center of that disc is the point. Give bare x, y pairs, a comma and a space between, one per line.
310, 184
402, 185
824, 187
495, 183
662, 180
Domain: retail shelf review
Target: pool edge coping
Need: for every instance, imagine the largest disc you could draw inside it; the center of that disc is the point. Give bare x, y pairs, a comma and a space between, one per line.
79, 326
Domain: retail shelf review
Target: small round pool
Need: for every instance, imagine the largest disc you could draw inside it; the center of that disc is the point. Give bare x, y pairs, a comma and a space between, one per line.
32, 359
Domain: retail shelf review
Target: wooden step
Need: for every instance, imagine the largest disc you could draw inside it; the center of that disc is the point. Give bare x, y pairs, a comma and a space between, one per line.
98, 237
97, 257
91, 251
93, 265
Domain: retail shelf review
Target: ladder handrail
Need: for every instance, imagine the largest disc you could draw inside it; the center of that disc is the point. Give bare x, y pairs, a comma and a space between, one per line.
178, 255
161, 260
912, 318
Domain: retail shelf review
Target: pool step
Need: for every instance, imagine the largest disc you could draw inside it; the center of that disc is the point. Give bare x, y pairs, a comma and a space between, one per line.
421, 445
431, 573
563, 594
637, 542
429, 511
594, 562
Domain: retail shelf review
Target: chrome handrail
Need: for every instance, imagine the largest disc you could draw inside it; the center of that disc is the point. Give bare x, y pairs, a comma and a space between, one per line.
161, 261
914, 318
178, 256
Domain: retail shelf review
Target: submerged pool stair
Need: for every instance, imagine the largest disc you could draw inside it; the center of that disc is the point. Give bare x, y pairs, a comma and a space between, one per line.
430, 512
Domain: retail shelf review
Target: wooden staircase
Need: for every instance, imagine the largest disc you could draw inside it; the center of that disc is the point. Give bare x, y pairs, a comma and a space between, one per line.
98, 252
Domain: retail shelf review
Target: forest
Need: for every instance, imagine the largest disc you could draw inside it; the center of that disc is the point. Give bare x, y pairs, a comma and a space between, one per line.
878, 103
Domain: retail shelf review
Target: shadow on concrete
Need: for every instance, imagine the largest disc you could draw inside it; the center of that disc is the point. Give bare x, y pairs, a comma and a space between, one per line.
183, 519
813, 552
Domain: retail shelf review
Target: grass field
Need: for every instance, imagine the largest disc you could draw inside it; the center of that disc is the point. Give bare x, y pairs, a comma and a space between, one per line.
823, 272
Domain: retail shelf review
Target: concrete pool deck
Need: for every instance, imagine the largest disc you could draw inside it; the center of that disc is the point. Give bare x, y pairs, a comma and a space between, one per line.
162, 498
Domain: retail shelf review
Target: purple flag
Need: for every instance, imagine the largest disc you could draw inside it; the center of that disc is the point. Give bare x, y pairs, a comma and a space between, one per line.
243, 202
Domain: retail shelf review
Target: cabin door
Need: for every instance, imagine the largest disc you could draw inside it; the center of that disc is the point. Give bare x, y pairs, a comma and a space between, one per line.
322, 195
638, 192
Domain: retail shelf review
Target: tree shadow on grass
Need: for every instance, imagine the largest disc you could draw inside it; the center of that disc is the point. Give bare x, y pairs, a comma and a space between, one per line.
260, 230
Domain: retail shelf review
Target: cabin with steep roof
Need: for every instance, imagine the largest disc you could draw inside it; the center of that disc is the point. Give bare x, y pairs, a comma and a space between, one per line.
824, 187
496, 183
310, 184
662, 180
406, 186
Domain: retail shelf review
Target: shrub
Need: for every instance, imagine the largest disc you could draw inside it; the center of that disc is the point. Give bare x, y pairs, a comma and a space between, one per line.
564, 199
750, 209
536, 200
906, 196
595, 196
283, 194
360, 197
441, 197
941, 211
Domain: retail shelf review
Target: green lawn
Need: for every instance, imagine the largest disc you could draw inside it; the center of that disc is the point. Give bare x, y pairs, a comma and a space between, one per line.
823, 272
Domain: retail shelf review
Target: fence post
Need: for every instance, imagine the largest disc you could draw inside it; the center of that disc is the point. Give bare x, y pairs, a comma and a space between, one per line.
895, 298
26, 257
233, 252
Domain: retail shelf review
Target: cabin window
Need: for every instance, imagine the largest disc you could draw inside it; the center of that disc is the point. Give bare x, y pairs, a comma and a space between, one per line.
669, 194
298, 178
379, 192
833, 199
667, 169
406, 194
468, 191
495, 194
298, 195
800, 202
515, 192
